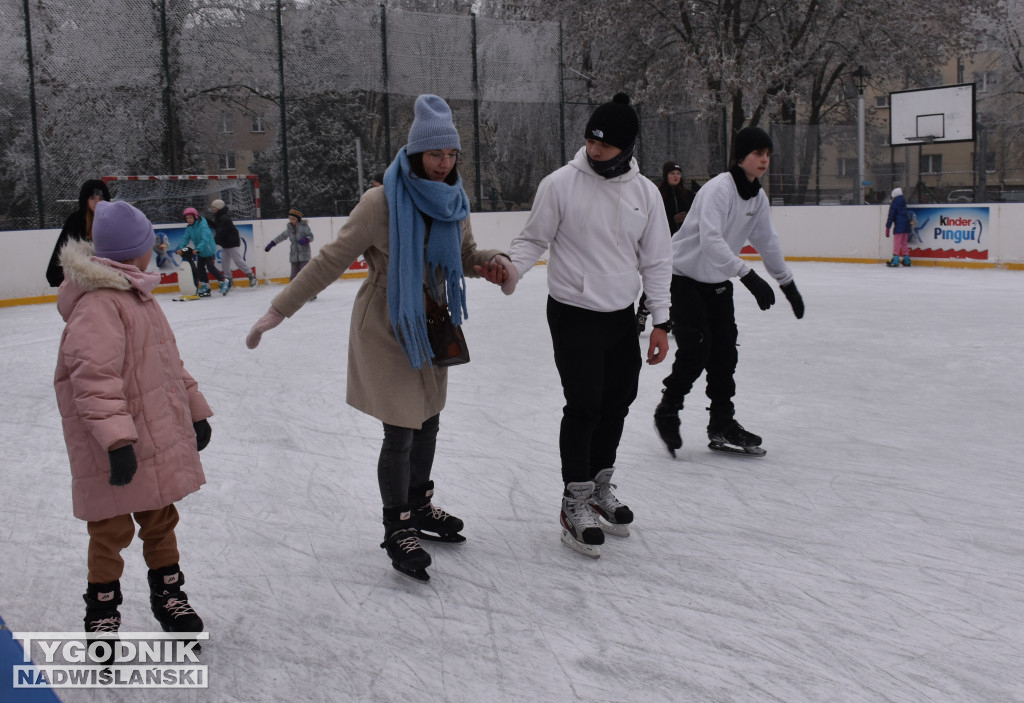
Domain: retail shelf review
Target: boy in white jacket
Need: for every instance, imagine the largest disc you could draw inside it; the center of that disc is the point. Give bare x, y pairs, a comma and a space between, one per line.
606, 229
729, 210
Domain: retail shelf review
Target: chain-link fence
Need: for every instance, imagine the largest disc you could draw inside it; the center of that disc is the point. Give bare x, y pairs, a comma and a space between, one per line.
316, 97
313, 97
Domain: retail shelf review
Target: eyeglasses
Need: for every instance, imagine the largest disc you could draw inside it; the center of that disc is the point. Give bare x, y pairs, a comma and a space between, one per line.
440, 156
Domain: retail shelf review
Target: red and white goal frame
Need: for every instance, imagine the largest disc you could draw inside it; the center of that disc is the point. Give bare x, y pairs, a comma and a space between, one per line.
254, 178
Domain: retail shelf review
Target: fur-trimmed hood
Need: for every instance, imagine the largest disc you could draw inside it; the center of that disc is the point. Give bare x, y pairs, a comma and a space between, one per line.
84, 272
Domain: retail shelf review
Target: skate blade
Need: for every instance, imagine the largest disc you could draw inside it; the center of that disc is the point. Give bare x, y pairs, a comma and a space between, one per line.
732, 449
587, 550
448, 539
418, 574
614, 528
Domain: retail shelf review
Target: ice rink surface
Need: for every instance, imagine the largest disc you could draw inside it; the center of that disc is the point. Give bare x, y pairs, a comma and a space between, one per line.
876, 554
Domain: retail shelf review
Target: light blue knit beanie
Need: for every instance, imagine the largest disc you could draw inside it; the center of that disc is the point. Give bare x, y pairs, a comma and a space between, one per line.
432, 126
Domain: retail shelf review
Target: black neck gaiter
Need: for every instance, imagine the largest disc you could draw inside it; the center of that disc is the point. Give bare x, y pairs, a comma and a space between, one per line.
746, 188
615, 166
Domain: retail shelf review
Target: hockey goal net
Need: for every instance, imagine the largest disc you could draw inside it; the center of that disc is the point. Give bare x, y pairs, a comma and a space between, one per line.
163, 198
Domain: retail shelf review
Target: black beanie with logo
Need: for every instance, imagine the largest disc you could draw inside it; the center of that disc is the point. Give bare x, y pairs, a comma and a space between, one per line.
614, 123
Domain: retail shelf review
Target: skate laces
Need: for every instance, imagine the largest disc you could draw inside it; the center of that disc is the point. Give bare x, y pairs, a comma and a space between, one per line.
110, 624
603, 496
409, 543
580, 513
436, 513
178, 607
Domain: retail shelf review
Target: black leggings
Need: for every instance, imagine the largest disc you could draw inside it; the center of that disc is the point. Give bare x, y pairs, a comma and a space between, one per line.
598, 359
704, 325
406, 458
207, 268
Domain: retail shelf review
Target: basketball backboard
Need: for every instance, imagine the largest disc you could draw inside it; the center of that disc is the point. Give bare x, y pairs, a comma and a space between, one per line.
932, 115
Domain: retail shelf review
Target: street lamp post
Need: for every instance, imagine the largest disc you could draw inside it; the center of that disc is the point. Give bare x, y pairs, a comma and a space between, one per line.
860, 79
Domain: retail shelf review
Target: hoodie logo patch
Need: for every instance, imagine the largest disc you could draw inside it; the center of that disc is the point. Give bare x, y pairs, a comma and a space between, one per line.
750, 214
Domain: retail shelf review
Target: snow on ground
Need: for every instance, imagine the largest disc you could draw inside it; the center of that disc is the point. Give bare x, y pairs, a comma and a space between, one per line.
875, 554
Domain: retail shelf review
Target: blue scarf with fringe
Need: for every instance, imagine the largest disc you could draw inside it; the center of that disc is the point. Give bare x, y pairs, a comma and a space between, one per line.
409, 198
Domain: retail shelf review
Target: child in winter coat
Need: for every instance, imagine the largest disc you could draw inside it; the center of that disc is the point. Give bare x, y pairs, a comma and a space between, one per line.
199, 236
300, 235
230, 242
133, 418
899, 221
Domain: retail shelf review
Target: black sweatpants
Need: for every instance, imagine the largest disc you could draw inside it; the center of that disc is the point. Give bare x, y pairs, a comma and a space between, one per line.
704, 325
598, 359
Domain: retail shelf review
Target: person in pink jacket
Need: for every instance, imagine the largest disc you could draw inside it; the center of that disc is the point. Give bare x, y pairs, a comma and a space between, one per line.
133, 418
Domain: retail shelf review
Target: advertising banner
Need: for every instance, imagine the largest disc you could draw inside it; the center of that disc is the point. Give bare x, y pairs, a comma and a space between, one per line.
948, 232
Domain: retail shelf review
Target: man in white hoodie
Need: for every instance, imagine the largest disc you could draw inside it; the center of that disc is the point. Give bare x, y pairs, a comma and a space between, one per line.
605, 226
729, 210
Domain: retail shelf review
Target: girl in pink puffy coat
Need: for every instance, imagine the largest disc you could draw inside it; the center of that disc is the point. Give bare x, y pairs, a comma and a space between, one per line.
133, 418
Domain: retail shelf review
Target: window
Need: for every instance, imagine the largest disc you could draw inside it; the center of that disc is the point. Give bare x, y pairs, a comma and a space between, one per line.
848, 167
881, 101
985, 81
226, 125
226, 161
257, 125
931, 163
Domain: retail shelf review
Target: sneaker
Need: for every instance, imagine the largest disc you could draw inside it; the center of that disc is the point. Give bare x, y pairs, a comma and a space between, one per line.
734, 434
581, 530
169, 603
613, 511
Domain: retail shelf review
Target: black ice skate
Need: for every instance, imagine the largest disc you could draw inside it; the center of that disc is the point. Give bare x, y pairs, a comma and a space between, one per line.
402, 543
431, 522
732, 438
102, 618
170, 604
615, 516
666, 422
581, 530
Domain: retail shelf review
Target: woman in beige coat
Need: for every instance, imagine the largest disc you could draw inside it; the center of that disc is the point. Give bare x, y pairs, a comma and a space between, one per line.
414, 233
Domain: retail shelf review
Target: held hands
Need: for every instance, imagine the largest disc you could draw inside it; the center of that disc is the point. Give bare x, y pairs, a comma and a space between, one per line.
500, 271
269, 321
794, 298
763, 293
122, 465
203, 432
270, 246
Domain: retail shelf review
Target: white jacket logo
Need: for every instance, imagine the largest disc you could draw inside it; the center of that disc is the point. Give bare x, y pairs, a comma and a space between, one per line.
750, 214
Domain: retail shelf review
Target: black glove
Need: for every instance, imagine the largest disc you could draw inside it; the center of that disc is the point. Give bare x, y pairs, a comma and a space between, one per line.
270, 246
203, 432
763, 292
122, 465
793, 296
